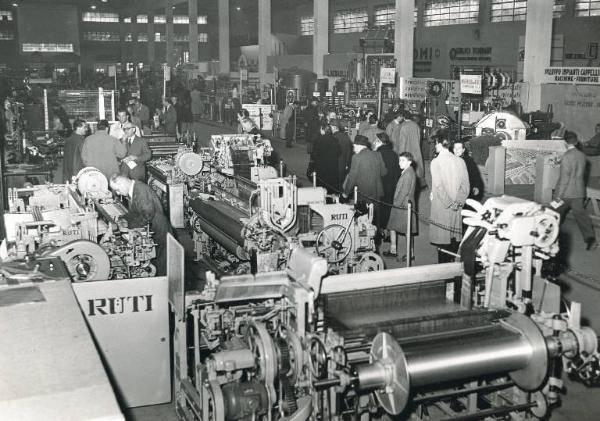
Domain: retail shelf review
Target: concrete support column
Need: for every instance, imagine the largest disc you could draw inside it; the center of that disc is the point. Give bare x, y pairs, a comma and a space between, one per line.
265, 39
123, 44
169, 34
193, 14
134, 42
538, 48
404, 37
321, 35
151, 47
224, 60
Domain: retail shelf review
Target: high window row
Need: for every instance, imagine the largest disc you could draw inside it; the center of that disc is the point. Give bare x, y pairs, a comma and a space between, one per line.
114, 18
445, 12
141, 37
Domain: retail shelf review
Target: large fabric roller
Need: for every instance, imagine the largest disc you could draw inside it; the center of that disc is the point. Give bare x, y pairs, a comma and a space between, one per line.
222, 222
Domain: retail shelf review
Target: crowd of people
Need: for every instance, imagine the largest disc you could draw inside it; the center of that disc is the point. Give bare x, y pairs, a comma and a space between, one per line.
385, 165
120, 153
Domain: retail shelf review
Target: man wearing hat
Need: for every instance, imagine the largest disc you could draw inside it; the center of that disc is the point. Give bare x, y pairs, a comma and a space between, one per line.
311, 124
138, 153
366, 172
346, 147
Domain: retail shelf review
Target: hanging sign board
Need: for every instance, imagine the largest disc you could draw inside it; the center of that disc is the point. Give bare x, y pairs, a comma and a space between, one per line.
417, 89
387, 75
578, 75
470, 84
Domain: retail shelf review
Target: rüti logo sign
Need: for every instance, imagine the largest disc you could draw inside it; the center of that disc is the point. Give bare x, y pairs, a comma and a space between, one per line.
119, 305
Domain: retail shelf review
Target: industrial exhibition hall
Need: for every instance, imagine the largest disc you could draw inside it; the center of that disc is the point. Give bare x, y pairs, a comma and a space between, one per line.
299, 210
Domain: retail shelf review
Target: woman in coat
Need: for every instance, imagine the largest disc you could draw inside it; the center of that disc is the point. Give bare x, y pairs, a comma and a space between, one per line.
325, 156
405, 193
449, 191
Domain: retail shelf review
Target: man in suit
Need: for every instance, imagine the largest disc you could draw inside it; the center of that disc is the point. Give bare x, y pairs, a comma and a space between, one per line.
592, 146
103, 151
72, 154
570, 188
145, 208
366, 173
142, 112
311, 124
406, 137
116, 129
168, 117
138, 153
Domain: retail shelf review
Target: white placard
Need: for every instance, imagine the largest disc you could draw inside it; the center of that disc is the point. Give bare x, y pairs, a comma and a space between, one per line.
387, 75
470, 84
578, 75
112, 70
415, 89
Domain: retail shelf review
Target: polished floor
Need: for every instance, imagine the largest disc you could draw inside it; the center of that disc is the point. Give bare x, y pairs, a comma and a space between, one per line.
580, 403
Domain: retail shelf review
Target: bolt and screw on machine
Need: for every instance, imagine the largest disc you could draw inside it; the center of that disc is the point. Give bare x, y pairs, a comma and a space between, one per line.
295, 345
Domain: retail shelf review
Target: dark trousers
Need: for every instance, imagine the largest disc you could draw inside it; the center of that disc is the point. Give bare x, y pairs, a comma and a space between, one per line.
160, 261
290, 132
584, 222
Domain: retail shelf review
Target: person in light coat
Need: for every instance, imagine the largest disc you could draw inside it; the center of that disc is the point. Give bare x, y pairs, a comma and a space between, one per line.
449, 191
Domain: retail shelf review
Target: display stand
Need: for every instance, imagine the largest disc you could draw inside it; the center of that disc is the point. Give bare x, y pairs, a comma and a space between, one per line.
87, 105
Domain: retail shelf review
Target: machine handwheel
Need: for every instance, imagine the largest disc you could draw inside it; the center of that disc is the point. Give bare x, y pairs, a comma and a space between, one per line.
332, 244
547, 232
370, 262
318, 358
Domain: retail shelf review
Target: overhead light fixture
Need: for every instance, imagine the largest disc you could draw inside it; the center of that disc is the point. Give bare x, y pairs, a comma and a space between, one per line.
104, 1
15, 4
238, 8
93, 7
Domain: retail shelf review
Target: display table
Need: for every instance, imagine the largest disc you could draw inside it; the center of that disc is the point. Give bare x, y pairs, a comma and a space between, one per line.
49, 366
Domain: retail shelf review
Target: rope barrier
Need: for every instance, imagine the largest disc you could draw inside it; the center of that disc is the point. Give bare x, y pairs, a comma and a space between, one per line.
421, 216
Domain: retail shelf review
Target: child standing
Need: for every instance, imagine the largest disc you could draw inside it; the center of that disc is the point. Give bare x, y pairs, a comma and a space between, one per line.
405, 193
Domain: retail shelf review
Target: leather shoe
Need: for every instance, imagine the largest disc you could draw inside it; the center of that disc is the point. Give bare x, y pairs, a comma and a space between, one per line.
389, 254
591, 244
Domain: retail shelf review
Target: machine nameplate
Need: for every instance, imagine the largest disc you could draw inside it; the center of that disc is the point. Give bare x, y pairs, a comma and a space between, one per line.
119, 305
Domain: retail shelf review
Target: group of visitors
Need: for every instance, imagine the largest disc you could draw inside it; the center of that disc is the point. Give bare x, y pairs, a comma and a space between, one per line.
120, 153
385, 164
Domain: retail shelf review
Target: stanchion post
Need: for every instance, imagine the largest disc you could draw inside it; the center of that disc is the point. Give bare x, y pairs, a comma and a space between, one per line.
408, 234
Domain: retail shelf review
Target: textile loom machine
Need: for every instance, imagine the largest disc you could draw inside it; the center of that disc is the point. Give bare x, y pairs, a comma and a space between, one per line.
78, 223
171, 178
162, 145
245, 227
174, 178
295, 345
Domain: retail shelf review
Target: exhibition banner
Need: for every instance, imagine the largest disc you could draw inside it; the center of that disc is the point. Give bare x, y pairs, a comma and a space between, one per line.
415, 89
470, 84
577, 75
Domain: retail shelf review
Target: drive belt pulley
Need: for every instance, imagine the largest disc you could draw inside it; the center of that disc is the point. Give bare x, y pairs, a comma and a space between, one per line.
287, 388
